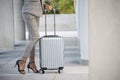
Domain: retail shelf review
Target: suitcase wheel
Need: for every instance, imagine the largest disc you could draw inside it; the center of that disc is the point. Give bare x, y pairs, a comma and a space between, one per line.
60, 71
42, 71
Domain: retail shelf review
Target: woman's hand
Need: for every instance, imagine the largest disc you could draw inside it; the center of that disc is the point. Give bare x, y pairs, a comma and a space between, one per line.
48, 7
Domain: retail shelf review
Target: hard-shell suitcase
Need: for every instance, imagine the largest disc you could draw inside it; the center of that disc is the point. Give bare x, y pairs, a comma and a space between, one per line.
51, 51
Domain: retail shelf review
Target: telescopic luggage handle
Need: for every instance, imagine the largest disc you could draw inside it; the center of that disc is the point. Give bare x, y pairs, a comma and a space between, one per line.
54, 10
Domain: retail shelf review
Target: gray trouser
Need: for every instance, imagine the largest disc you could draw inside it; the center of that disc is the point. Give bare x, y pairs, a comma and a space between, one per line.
32, 23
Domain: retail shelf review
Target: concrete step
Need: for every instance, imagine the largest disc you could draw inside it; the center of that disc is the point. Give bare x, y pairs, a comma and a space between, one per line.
72, 54
70, 41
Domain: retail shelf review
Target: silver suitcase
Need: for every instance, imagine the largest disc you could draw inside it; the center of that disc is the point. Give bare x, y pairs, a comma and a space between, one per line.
51, 51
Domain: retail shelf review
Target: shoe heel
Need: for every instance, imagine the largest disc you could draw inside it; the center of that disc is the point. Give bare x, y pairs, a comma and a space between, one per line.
15, 64
28, 66
28, 70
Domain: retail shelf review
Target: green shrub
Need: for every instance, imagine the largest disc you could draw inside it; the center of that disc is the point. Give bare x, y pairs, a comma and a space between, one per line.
62, 6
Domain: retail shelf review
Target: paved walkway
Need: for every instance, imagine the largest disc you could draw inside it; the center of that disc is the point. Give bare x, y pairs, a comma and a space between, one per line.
72, 71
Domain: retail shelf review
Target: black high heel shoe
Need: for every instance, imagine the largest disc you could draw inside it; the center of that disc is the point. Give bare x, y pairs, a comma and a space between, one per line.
17, 63
34, 70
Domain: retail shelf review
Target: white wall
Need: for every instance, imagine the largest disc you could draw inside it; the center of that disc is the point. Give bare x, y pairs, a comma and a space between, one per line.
104, 39
6, 25
18, 21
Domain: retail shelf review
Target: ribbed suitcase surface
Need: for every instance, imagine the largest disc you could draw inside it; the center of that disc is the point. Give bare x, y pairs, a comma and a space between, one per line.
51, 53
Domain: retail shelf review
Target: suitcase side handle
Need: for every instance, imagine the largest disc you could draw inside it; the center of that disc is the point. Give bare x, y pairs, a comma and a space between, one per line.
54, 10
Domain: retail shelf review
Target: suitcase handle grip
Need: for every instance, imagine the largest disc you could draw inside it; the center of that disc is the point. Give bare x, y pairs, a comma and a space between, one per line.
46, 22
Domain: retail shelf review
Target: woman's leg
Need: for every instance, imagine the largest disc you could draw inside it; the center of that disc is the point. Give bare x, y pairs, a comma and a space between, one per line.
33, 28
32, 55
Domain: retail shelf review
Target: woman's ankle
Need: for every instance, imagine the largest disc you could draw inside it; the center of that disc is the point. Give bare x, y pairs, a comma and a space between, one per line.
24, 59
32, 59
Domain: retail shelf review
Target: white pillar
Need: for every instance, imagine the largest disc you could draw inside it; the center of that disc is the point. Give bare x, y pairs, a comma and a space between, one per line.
82, 24
6, 25
18, 21
104, 39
